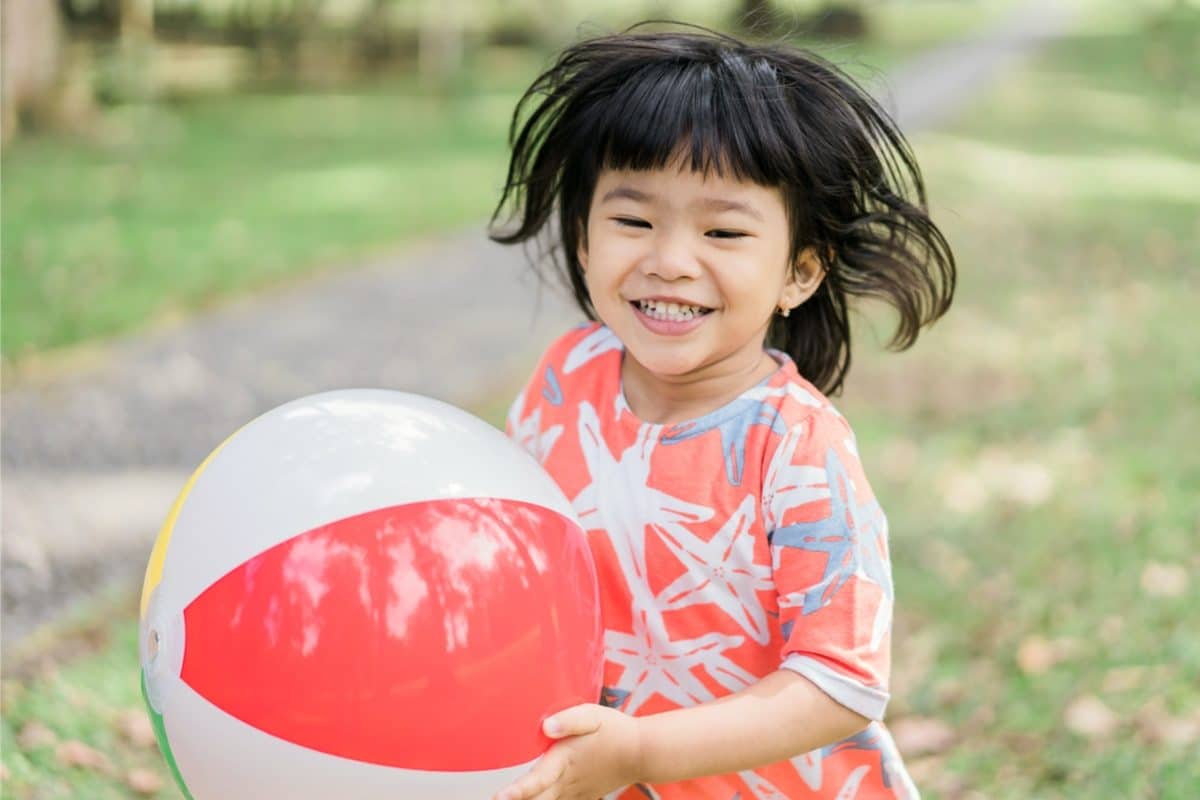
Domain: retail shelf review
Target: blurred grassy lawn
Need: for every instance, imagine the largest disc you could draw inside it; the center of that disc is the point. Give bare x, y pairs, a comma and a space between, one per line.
171, 207
1036, 452
166, 209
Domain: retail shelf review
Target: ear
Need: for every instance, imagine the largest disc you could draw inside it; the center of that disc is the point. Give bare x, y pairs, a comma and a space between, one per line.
806, 277
581, 250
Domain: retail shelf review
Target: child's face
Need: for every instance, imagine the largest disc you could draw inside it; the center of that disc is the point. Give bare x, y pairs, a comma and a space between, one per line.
675, 236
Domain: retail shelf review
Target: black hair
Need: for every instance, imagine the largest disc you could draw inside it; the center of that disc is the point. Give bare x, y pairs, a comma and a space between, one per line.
772, 114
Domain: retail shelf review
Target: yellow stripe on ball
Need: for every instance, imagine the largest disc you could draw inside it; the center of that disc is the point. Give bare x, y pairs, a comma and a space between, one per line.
159, 554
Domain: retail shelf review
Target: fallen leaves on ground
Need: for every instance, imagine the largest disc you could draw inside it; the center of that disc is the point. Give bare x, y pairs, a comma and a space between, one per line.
144, 781
930, 773
1123, 679
1157, 726
996, 475
1089, 717
1164, 580
35, 735
1036, 654
1136, 676
136, 729
74, 753
919, 736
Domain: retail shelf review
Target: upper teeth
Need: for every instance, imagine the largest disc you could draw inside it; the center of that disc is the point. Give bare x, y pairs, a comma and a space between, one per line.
675, 311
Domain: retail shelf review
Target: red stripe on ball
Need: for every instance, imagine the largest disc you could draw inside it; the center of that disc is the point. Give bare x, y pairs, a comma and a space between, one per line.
431, 636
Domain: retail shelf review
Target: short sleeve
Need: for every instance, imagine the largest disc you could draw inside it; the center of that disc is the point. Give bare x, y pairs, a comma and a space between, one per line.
528, 422
830, 562
512, 420
523, 424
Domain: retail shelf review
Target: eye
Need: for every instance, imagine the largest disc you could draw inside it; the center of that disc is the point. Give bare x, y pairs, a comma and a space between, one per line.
631, 222
725, 234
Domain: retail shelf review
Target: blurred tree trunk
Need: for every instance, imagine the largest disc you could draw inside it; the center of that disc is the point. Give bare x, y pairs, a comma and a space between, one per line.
751, 8
840, 19
440, 43
131, 74
137, 21
32, 62
756, 14
376, 40
291, 30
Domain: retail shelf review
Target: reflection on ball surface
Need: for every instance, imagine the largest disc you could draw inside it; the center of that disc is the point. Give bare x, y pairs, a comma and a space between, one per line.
365, 593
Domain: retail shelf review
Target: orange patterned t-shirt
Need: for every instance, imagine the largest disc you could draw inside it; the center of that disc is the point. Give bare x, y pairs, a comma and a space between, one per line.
727, 547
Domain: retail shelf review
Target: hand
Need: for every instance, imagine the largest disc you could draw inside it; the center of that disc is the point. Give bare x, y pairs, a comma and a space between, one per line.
597, 752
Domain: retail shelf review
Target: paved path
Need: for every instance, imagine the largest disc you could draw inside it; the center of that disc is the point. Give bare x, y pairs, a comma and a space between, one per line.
92, 460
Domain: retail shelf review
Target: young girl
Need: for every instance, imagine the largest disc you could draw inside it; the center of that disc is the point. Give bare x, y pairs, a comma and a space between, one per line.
717, 205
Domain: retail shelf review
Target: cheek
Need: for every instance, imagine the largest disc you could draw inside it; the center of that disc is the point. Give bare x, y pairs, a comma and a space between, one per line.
600, 287
748, 296
610, 258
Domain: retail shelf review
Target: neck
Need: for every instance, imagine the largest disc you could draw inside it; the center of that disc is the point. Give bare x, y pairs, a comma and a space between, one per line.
667, 399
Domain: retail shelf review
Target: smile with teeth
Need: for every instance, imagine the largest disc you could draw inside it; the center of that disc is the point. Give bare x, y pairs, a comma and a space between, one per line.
670, 311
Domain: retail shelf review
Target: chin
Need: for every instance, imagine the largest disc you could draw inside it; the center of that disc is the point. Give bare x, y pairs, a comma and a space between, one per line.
667, 364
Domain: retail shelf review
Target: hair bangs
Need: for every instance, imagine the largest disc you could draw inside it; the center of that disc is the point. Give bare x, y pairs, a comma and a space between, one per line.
684, 114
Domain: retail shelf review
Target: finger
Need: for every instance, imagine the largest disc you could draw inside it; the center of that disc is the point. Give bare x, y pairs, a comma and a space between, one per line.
543, 775
552, 792
574, 721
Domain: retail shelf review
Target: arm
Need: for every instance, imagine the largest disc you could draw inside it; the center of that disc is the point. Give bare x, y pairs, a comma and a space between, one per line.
781, 716
601, 749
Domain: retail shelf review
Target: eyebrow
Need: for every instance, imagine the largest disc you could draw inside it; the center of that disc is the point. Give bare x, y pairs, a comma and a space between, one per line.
714, 203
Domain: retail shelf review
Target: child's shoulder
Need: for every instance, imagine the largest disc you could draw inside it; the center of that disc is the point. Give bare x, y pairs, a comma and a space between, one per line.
576, 364
579, 346
803, 416
797, 400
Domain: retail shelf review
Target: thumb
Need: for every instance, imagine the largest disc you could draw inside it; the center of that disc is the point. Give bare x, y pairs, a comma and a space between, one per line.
574, 721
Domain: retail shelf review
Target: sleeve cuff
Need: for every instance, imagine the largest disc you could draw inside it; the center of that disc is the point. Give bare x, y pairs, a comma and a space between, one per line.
860, 699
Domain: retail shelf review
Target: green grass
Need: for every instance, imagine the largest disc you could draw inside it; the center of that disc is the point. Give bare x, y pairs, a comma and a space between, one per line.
168, 208
81, 699
159, 211
1033, 451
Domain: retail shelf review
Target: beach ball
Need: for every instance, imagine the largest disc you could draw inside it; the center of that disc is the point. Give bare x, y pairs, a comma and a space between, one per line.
365, 594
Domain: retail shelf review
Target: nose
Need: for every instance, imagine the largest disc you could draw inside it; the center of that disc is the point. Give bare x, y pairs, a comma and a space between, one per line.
672, 257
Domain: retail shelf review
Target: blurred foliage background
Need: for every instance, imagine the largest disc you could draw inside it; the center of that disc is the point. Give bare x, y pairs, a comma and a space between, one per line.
1037, 451
242, 141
